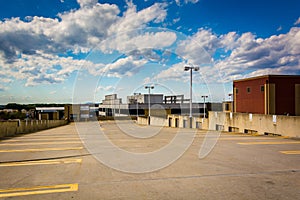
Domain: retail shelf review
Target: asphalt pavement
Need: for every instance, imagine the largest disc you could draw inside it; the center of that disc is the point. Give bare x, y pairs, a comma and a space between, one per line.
56, 164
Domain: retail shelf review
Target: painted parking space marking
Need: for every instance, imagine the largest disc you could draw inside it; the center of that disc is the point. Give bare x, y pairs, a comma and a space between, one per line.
38, 139
246, 138
42, 162
12, 192
40, 149
40, 143
290, 152
277, 142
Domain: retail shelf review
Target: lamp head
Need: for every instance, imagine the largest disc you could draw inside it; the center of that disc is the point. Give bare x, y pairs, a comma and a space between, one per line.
187, 68
151, 87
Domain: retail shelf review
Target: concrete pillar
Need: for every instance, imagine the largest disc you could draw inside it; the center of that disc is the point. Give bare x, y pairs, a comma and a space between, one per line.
297, 99
270, 104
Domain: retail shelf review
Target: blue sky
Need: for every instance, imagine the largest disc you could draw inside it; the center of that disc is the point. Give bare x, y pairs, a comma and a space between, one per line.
66, 51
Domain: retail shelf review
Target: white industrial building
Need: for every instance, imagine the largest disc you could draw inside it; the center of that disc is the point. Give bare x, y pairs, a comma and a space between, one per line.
138, 105
144, 98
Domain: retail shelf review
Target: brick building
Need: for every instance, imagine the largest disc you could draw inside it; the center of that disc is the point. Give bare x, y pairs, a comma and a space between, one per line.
270, 94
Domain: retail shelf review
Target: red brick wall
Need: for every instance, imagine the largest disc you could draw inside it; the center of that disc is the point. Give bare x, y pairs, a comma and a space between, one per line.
252, 102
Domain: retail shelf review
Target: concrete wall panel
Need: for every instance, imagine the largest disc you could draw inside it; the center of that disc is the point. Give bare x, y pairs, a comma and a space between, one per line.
11, 128
259, 123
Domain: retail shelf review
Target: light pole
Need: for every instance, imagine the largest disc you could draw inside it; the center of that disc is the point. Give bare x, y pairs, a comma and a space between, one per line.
149, 108
137, 109
231, 103
204, 113
191, 68
230, 96
137, 104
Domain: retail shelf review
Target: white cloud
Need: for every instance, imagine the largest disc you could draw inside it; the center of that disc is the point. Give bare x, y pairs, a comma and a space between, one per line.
191, 1
105, 88
178, 2
175, 72
297, 22
29, 49
279, 28
84, 3
129, 41
123, 67
133, 19
255, 56
176, 20
246, 55
197, 49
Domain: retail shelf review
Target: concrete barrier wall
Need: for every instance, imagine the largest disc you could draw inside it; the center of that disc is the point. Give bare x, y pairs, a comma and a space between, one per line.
184, 122
154, 121
11, 128
175, 121
255, 123
142, 120
157, 121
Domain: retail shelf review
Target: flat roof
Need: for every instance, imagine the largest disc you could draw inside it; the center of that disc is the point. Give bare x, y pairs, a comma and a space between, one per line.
49, 108
267, 76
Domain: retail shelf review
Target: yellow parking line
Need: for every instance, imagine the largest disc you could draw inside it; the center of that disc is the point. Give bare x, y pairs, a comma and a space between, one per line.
37, 139
38, 190
37, 143
253, 143
247, 138
42, 162
41, 149
290, 152
49, 137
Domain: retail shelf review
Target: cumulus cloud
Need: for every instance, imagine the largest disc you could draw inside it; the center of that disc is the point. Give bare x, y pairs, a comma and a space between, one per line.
198, 47
245, 55
42, 50
123, 67
76, 30
273, 55
84, 3
130, 41
36, 49
133, 19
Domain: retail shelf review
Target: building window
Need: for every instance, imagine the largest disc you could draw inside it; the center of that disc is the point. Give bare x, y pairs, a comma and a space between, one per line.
227, 107
262, 88
248, 89
236, 90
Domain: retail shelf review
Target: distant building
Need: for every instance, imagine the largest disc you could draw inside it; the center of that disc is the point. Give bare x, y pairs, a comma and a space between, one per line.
270, 94
112, 106
80, 112
161, 106
50, 113
175, 99
111, 99
10, 110
227, 106
144, 98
